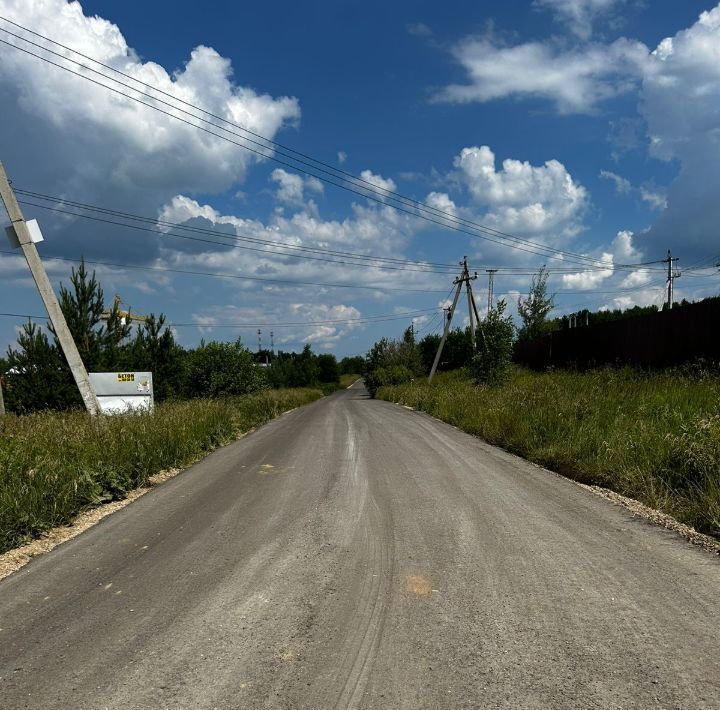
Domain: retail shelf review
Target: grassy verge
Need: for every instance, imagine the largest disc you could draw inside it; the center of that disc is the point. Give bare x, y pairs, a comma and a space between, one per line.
55, 465
653, 437
344, 382
347, 380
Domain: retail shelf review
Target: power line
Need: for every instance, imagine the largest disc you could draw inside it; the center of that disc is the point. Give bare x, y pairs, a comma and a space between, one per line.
290, 282
22, 315
214, 232
362, 320
455, 223
162, 233
293, 282
365, 320
528, 271
394, 261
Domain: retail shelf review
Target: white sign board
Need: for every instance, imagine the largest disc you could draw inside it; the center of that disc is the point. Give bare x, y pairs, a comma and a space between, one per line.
33, 228
123, 392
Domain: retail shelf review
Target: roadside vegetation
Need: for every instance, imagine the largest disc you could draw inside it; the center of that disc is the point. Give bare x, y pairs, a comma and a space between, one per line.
54, 465
35, 377
650, 435
56, 462
347, 379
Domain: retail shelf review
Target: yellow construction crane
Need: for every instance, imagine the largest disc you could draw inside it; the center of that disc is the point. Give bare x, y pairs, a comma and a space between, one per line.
125, 315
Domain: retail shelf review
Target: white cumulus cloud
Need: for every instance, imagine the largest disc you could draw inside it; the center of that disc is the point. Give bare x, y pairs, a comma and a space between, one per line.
292, 187
579, 15
441, 201
378, 180
680, 101
520, 197
622, 185
583, 280
74, 138
575, 80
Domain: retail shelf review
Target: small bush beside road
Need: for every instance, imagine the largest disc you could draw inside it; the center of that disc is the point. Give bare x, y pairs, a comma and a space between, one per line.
53, 465
650, 436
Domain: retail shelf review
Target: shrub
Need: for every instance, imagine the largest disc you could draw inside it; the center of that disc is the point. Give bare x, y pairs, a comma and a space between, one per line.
492, 364
382, 376
221, 369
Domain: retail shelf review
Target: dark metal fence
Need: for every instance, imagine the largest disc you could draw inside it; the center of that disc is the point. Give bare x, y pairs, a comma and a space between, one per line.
673, 337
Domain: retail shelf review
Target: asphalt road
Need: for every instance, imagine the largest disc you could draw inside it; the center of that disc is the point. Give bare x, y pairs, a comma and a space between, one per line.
354, 554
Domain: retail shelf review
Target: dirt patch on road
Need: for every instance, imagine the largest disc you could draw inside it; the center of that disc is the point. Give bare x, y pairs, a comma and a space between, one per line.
415, 584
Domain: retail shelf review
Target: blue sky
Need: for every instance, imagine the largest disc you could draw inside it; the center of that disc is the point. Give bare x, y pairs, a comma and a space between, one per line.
588, 126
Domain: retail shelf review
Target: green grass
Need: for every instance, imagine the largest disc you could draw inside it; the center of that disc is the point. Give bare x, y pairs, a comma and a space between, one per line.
653, 437
347, 380
55, 465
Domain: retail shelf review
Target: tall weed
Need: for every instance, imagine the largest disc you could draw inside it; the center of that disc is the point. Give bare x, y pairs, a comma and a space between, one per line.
54, 465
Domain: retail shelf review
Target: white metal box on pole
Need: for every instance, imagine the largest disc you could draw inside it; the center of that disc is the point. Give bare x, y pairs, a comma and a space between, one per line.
33, 229
123, 392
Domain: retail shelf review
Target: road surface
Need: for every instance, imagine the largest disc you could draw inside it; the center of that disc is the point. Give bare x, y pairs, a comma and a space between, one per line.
354, 554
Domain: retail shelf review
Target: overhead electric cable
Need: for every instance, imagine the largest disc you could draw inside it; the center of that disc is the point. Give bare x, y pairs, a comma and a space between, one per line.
449, 220
362, 320
22, 315
163, 233
216, 233
283, 282
512, 271
365, 319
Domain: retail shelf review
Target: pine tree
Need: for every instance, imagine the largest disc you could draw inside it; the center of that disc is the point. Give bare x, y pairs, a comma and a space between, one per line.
38, 376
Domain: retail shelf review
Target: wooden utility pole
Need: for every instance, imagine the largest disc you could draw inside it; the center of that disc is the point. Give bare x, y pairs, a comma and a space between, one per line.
464, 278
47, 294
672, 274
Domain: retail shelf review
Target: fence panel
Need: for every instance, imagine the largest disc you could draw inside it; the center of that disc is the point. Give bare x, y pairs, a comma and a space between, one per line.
659, 339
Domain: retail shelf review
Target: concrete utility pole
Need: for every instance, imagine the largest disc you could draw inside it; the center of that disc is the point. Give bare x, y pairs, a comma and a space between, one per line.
491, 278
259, 340
272, 343
464, 278
2, 401
672, 274
446, 330
47, 294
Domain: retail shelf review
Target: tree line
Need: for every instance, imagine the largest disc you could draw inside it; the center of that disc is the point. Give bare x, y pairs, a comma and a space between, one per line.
487, 360
35, 375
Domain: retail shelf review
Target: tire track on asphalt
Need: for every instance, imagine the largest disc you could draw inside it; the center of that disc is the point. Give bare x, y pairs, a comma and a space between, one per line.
376, 565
